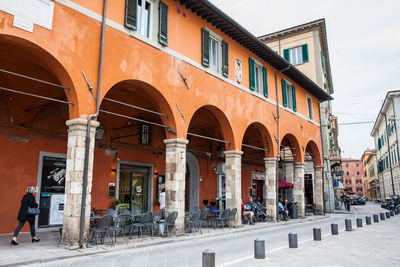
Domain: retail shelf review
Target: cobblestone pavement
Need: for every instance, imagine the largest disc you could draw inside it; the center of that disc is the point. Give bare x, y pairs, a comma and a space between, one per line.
232, 247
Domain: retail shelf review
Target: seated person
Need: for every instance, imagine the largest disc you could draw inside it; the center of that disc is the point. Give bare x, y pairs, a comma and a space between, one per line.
286, 210
246, 211
281, 209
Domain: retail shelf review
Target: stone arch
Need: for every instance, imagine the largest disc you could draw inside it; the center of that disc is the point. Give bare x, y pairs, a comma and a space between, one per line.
20, 55
313, 150
209, 116
141, 94
289, 140
260, 134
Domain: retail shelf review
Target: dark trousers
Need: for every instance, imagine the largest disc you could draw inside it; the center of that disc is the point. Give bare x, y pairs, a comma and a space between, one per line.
21, 224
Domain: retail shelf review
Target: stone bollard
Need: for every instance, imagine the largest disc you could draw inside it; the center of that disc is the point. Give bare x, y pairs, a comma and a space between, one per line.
387, 215
317, 234
368, 220
359, 222
334, 229
259, 249
391, 213
208, 258
293, 240
382, 216
376, 218
348, 224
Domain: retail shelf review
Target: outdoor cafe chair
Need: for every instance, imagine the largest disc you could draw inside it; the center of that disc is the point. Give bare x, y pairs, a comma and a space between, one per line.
232, 216
169, 223
223, 217
193, 221
157, 216
203, 220
141, 222
120, 224
101, 229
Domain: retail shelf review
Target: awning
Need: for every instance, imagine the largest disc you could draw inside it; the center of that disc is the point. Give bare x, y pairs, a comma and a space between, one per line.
284, 185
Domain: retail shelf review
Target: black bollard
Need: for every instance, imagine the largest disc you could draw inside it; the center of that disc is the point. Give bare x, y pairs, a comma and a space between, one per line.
376, 218
293, 240
317, 234
259, 249
382, 216
359, 222
334, 229
392, 213
208, 258
368, 220
387, 215
348, 224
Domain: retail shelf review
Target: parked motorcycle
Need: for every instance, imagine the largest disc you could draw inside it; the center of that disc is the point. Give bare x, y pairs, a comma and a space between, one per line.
391, 203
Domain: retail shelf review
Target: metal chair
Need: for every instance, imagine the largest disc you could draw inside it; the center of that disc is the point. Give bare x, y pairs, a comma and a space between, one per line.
203, 221
140, 222
195, 220
101, 229
156, 220
169, 223
222, 218
121, 222
232, 216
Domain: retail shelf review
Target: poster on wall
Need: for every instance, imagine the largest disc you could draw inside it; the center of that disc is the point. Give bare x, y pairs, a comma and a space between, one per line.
53, 175
56, 209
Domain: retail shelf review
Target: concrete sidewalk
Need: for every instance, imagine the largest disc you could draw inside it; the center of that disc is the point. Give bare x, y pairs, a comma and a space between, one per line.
49, 248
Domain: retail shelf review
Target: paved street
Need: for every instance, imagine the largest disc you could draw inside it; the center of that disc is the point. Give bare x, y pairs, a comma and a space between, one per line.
370, 246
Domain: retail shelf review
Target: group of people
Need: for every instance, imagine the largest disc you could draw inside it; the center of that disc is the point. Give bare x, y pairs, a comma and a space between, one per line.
249, 209
284, 210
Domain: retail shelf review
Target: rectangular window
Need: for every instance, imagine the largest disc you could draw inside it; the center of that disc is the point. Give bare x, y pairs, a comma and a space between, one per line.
296, 55
258, 77
214, 53
289, 95
310, 108
358, 173
359, 189
347, 173
143, 17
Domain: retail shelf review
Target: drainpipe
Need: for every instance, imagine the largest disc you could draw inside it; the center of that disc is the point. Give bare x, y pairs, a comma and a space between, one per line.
279, 138
323, 157
87, 140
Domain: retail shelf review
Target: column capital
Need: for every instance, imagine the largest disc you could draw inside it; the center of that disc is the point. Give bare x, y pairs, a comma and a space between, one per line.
318, 168
81, 122
299, 164
176, 142
270, 160
233, 153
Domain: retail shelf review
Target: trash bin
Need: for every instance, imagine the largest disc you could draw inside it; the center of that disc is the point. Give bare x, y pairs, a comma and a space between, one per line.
293, 210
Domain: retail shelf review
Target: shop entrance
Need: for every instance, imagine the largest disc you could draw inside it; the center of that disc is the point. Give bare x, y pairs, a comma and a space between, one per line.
192, 182
308, 189
258, 181
134, 188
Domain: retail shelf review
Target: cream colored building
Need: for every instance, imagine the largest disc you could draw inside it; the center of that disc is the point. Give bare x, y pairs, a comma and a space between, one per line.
386, 134
306, 47
371, 182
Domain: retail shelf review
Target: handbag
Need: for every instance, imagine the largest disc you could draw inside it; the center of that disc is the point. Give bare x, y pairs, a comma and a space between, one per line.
33, 211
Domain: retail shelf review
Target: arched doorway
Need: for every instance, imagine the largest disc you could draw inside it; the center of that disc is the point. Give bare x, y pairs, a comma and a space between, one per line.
192, 182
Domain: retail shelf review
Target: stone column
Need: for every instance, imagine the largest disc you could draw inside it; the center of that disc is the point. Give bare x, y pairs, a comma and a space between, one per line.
298, 190
233, 182
74, 179
270, 187
318, 190
175, 169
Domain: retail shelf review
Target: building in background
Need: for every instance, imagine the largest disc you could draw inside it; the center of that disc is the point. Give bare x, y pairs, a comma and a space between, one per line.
353, 176
386, 134
371, 182
306, 47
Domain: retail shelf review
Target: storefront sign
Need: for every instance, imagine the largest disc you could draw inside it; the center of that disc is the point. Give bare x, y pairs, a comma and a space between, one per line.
111, 189
258, 175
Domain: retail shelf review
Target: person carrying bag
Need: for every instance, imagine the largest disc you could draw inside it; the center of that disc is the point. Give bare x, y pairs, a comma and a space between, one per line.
27, 212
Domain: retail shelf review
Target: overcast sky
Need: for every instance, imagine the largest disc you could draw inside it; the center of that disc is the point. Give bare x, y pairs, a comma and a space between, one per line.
364, 48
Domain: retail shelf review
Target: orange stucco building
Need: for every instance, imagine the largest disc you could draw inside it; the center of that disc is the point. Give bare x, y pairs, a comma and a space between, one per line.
190, 103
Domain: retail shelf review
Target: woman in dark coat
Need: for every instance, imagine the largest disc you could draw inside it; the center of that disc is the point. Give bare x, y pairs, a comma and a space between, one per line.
28, 200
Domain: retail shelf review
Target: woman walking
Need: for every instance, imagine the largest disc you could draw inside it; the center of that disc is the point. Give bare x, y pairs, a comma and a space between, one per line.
28, 200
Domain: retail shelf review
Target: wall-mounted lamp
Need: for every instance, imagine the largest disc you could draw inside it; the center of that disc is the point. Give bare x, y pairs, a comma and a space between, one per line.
220, 151
99, 132
113, 170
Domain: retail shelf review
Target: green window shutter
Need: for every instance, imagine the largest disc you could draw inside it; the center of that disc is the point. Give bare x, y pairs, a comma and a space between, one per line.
304, 50
130, 14
205, 47
265, 82
294, 98
225, 59
163, 24
286, 54
379, 143
323, 62
251, 74
284, 96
